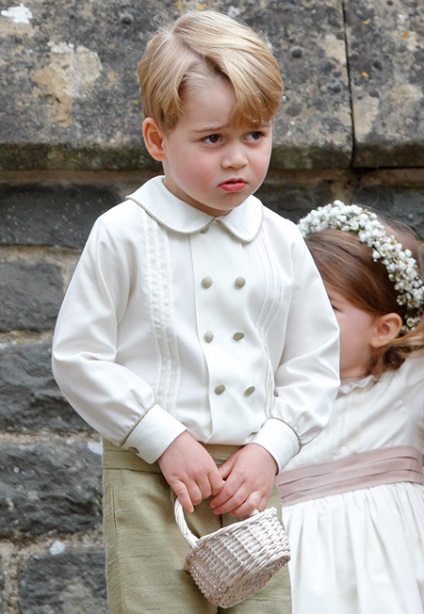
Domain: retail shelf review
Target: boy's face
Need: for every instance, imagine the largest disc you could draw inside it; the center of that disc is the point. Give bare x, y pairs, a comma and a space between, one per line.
208, 162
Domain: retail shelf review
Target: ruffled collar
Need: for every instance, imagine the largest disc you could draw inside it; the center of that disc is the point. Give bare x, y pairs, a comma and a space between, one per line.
244, 221
347, 386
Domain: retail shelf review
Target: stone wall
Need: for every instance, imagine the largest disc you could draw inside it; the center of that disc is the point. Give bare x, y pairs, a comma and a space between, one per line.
351, 126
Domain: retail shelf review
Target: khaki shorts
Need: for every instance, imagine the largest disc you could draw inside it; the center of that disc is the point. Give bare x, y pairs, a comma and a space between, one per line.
145, 550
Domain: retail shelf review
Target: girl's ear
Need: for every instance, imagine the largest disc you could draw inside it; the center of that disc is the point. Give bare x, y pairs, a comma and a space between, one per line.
386, 329
153, 139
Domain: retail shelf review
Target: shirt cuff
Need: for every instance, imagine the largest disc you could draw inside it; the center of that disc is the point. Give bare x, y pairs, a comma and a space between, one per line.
279, 440
153, 434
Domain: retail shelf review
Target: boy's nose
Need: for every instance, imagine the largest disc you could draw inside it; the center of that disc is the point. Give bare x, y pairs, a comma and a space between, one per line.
234, 157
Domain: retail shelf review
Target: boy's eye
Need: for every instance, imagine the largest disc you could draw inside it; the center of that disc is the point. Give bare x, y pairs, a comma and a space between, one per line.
212, 138
255, 135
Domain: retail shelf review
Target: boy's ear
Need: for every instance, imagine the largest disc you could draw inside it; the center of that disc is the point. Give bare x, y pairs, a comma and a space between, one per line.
153, 139
386, 329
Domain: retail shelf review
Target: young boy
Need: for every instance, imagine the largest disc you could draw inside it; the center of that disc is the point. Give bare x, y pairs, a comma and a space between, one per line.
196, 335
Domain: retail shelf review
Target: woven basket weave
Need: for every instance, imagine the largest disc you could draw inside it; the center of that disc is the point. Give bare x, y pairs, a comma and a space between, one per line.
234, 562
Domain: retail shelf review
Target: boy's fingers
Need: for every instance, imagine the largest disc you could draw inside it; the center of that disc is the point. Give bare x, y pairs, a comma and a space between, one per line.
225, 468
186, 503
231, 495
216, 483
238, 507
182, 493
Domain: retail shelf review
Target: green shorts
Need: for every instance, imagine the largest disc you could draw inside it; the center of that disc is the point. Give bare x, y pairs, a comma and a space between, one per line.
145, 550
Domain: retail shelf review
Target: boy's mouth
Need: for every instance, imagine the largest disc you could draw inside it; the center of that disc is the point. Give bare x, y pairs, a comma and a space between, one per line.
233, 185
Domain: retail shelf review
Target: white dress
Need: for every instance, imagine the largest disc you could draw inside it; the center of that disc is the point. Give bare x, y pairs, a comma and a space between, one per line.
362, 552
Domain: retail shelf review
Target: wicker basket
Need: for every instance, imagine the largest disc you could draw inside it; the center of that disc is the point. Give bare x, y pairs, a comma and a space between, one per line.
234, 562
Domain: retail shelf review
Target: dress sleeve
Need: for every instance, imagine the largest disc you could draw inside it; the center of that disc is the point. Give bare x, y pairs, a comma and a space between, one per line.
413, 384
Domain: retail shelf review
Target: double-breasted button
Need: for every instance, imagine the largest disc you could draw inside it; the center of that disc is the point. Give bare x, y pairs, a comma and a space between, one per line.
240, 282
238, 336
249, 391
219, 389
208, 336
207, 282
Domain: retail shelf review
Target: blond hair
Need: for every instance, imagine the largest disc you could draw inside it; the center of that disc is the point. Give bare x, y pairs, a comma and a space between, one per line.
201, 44
346, 265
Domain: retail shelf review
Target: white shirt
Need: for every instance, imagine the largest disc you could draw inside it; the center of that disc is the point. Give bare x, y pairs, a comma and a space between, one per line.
175, 320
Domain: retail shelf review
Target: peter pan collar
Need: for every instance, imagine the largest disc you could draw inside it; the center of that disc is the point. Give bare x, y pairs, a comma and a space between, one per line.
244, 221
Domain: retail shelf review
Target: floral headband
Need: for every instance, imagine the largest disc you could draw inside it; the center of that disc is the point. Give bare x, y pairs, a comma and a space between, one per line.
401, 267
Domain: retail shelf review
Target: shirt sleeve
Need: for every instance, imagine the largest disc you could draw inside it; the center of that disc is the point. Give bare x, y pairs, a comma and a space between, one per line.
307, 379
85, 348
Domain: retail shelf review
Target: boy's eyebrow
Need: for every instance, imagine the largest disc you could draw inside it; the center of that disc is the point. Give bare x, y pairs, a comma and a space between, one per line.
211, 128
218, 128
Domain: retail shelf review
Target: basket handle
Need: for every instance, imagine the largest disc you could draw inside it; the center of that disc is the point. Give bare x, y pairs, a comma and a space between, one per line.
182, 525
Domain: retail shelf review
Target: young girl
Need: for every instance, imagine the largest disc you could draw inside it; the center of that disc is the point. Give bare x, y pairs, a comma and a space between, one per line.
353, 500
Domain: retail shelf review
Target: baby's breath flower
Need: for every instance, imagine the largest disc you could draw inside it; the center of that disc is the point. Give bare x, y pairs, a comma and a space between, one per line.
401, 267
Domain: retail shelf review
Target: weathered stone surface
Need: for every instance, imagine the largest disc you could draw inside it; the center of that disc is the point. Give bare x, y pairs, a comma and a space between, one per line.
69, 98
70, 583
1, 583
72, 99
293, 201
30, 400
314, 126
386, 61
63, 216
51, 214
49, 487
403, 204
31, 295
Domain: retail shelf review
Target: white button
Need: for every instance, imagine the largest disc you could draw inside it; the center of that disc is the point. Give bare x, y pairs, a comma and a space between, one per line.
240, 282
207, 282
208, 336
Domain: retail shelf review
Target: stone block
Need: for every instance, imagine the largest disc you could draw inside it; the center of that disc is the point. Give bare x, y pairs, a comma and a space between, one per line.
69, 97
71, 100
30, 400
31, 295
72, 582
49, 487
34, 214
293, 201
314, 127
2, 574
386, 63
405, 204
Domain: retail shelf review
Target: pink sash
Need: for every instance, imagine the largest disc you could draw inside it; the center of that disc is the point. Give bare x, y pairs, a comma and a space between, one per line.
362, 470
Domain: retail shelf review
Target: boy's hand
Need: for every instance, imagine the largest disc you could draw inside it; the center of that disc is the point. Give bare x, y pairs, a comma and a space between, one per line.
249, 476
190, 471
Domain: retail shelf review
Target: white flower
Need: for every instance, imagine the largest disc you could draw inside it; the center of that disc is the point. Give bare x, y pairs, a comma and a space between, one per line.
401, 267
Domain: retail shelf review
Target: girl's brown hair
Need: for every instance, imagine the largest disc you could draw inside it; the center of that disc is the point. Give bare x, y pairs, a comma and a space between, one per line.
346, 265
